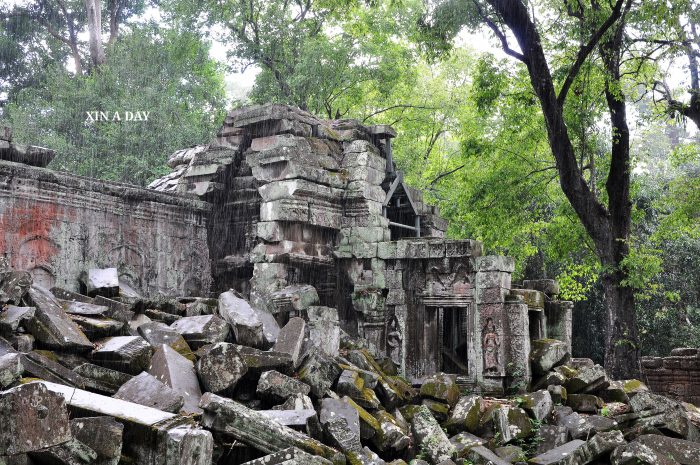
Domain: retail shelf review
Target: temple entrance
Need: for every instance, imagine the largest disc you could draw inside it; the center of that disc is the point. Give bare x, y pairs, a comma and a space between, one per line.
455, 330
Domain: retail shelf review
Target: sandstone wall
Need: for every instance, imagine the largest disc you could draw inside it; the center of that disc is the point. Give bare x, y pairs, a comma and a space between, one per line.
58, 225
676, 376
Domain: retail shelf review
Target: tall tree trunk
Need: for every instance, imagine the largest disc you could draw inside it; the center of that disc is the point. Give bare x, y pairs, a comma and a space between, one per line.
94, 18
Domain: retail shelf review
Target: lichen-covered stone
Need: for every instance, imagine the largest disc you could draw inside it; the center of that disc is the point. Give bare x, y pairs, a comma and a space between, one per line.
278, 387
430, 438
320, 372
465, 415
547, 354
130, 354
538, 404
145, 389
441, 387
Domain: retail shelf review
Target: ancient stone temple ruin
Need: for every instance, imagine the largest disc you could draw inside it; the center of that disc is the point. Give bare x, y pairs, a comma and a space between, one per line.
299, 215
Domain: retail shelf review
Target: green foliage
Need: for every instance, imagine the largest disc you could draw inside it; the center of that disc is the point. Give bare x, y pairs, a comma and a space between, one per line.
165, 72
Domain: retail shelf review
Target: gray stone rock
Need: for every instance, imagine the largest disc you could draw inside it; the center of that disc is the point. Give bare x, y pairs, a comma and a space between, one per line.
259, 361
157, 334
551, 436
324, 329
587, 380
290, 339
11, 369
319, 371
297, 297
392, 436
12, 317
441, 387
51, 325
512, 423
174, 370
290, 456
33, 418
430, 438
145, 389
683, 452
220, 368
13, 286
102, 434
538, 404
480, 455
71, 452
663, 413
346, 434
278, 387
37, 365
101, 379
587, 403
291, 418
465, 414
510, 453
558, 455
130, 354
83, 308
251, 327
252, 428
463, 442
636, 453
580, 426
104, 281
295, 402
201, 330
547, 354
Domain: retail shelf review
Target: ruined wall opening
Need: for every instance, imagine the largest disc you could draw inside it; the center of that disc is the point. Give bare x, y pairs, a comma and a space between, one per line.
455, 339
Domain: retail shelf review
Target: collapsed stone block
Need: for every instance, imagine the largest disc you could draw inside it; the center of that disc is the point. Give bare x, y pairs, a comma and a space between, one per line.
251, 327
11, 369
145, 389
13, 286
430, 437
220, 368
320, 372
276, 386
101, 434
291, 339
201, 330
12, 317
157, 334
290, 456
130, 354
174, 370
33, 418
104, 281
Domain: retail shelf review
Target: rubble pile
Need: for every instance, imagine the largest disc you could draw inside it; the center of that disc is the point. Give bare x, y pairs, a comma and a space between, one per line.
109, 377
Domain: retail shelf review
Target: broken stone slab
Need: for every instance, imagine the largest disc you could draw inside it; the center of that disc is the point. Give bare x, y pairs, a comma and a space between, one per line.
151, 436
465, 415
463, 442
83, 308
587, 380
101, 379
130, 354
251, 327
145, 389
290, 456
174, 370
101, 434
441, 387
684, 452
319, 371
512, 423
324, 329
220, 368
547, 354
538, 404
102, 281
11, 369
480, 455
51, 325
97, 327
295, 402
297, 297
290, 339
38, 365
636, 453
558, 455
12, 317
278, 387
431, 439
581, 426
230, 417
201, 330
510, 453
548, 286
70, 296
13, 286
663, 413
291, 418
117, 310
341, 424
391, 436
439, 410
33, 418
352, 385
71, 452
157, 334
599, 445
551, 436
587, 403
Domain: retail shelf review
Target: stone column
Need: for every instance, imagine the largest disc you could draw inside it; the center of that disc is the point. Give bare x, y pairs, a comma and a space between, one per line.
559, 315
518, 345
493, 279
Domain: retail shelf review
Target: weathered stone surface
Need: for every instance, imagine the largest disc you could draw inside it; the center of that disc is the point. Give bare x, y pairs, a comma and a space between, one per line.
130, 354
683, 452
278, 387
145, 389
259, 361
290, 456
201, 330
319, 371
174, 370
157, 334
512, 423
588, 379
295, 402
71, 452
538, 404
510, 453
559, 455
551, 436
12, 317
291, 418
295, 298
101, 434
441, 387
580, 426
546, 354
636, 453
97, 327
463, 442
480, 455
101, 379
465, 414
430, 438
290, 339
38, 365
11, 369
220, 368
341, 425
251, 327
324, 329
102, 281
663, 413
51, 324
33, 418
13, 286
391, 436
230, 417
587, 403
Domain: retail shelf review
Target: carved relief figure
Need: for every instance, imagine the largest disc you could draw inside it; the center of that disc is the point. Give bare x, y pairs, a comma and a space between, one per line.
490, 344
394, 340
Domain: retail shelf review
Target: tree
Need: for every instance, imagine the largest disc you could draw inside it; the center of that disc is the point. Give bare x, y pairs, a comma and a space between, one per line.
607, 221
167, 73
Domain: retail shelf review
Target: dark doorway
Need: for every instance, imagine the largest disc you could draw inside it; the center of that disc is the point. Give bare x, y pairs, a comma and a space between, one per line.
455, 346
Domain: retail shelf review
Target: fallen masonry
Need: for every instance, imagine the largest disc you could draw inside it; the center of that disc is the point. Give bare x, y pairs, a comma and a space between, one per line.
283, 297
